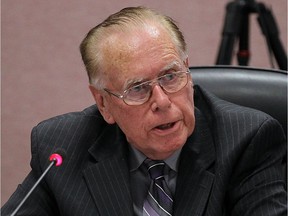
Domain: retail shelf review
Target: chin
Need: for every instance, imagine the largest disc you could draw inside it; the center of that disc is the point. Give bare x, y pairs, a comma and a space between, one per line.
175, 144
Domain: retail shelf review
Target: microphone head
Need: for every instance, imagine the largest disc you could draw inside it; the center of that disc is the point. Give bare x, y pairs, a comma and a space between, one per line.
58, 157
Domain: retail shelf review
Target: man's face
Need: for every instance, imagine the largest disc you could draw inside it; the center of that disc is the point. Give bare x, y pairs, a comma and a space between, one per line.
161, 125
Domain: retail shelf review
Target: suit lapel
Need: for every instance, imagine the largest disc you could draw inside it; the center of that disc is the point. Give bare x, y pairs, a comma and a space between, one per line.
195, 177
108, 177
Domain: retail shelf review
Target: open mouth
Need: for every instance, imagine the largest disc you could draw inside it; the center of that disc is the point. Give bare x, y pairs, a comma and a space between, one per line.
165, 126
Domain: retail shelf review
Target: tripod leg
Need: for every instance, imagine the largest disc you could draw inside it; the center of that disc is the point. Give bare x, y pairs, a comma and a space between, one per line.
243, 54
270, 30
230, 31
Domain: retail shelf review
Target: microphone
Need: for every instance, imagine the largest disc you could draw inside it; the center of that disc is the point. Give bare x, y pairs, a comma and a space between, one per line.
56, 160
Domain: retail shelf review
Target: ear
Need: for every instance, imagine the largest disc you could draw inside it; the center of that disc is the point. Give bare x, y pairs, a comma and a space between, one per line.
102, 105
186, 62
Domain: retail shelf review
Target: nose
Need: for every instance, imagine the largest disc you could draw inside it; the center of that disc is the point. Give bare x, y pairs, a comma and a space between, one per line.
160, 100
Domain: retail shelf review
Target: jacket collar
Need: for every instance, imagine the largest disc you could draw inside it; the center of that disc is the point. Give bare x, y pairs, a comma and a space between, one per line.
196, 170
108, 177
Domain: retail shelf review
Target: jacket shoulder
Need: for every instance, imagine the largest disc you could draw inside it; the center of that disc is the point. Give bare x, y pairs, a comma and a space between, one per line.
89, 112
232, 123
217, 108
74, 127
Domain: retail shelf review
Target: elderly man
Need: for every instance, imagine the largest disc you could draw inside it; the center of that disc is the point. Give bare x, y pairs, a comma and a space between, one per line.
154, 144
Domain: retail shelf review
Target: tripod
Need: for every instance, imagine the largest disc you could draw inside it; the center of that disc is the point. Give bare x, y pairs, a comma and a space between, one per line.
237, 25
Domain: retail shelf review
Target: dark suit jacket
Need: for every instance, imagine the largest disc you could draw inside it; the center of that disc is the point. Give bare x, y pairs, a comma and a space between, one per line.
231, 165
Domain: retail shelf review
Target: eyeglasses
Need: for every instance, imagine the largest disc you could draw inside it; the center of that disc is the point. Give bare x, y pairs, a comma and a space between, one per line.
139, 94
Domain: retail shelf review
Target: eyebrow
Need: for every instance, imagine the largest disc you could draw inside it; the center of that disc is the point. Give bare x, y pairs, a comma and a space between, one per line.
131, 82
173, 65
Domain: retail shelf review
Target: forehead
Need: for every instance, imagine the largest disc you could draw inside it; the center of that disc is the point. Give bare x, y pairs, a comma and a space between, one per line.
141, 53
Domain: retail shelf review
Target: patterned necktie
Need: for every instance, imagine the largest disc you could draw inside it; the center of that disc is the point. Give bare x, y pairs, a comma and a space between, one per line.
159, 200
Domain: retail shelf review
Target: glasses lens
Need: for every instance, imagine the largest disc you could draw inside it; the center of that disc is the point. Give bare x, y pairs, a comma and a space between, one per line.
173, 82
137, 94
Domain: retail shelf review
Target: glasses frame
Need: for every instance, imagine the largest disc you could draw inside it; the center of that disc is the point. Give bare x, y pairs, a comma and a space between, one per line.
151, 83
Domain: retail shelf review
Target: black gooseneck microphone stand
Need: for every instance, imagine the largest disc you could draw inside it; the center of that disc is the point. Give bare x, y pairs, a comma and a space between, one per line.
237, 25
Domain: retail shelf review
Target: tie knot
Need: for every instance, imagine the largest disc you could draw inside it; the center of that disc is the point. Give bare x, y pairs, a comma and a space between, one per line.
155, 168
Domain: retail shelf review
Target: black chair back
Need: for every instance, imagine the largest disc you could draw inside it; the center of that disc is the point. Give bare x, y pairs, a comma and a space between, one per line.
262, 89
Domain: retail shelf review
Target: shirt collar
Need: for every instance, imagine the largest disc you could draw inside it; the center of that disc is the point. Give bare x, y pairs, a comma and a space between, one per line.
136, 158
